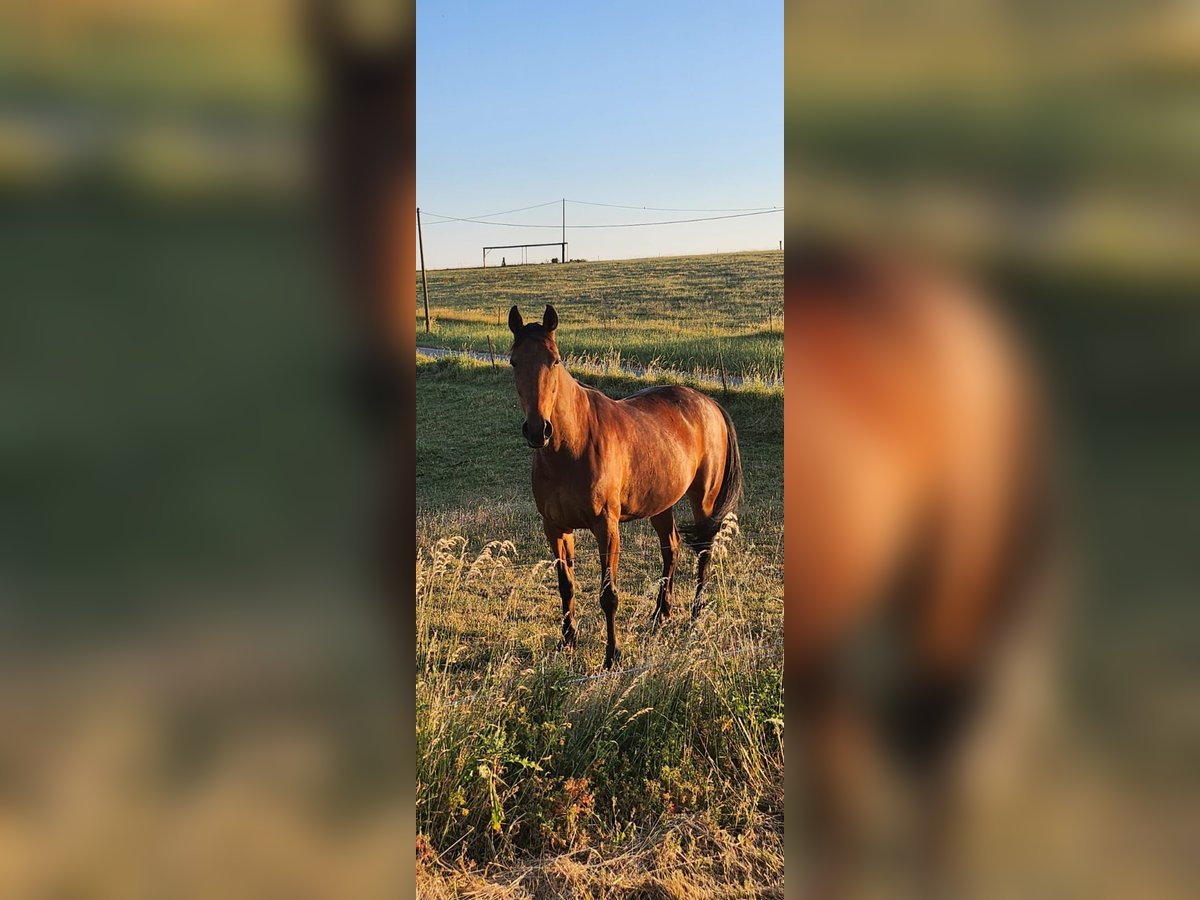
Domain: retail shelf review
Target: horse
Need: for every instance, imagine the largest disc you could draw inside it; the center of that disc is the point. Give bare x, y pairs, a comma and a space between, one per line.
599, 462
917, 509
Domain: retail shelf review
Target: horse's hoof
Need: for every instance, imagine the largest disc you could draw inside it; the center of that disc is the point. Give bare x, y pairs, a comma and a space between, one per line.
569, 636
611, 659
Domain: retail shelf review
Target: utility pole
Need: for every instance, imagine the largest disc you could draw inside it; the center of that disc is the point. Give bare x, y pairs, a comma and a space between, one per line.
424, 283
564, 240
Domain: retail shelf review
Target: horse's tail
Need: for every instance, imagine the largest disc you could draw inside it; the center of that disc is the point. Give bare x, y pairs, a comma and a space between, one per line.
701, 534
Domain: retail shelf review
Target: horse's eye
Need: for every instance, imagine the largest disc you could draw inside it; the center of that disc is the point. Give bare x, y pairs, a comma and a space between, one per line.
555, 361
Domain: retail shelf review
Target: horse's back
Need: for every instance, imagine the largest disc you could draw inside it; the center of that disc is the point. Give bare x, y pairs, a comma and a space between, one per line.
677, 396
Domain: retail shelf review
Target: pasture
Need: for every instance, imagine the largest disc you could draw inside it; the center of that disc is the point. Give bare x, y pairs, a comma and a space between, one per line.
184, 523
668, 774
534, 777
685, 313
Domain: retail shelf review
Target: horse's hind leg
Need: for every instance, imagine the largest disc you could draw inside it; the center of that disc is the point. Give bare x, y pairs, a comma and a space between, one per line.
563, 544
703, 561
703, 498
668, 540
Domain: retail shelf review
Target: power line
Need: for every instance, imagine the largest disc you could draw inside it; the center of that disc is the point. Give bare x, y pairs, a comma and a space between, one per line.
502, 212
682, 221
676, 208
761, 212
449, 219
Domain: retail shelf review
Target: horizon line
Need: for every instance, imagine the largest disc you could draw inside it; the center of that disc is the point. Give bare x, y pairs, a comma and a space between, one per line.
417, 270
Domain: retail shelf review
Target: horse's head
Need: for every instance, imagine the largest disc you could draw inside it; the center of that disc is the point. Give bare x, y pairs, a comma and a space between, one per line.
538, 368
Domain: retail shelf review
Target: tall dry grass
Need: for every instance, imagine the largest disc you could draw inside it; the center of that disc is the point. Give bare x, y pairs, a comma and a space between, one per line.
553, 777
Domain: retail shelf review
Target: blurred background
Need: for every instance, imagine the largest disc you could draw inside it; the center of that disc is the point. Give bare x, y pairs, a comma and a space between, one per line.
198, 698
1053, 149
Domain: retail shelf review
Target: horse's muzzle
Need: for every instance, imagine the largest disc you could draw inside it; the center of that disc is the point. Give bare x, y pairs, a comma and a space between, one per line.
534, 442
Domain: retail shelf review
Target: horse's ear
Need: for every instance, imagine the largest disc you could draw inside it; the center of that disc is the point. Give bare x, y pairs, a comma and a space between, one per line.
550, 318
515, 322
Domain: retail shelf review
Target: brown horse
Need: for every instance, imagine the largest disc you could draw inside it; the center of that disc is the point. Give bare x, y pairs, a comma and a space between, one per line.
600, 462
915, 493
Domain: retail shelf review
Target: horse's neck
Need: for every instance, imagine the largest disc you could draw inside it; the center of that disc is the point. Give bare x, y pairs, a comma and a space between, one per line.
572, 412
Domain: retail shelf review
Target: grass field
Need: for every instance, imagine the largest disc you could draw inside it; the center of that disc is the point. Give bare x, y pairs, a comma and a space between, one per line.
532, 780
689, 313
182, 590
670, 776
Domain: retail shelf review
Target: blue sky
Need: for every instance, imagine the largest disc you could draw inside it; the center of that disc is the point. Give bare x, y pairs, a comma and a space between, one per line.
664, 104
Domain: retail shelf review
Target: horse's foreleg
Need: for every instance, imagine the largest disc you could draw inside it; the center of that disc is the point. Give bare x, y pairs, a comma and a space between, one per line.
668, 540
609, 541
563, 544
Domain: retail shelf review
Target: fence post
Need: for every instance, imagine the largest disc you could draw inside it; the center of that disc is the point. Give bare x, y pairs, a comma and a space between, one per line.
424, 284
721, 359
491, 353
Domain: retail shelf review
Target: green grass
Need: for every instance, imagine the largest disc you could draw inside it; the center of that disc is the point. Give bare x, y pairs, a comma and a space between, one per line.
520, 753
689, 313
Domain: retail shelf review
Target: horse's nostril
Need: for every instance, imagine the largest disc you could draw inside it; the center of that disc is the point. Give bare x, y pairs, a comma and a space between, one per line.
548, 430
